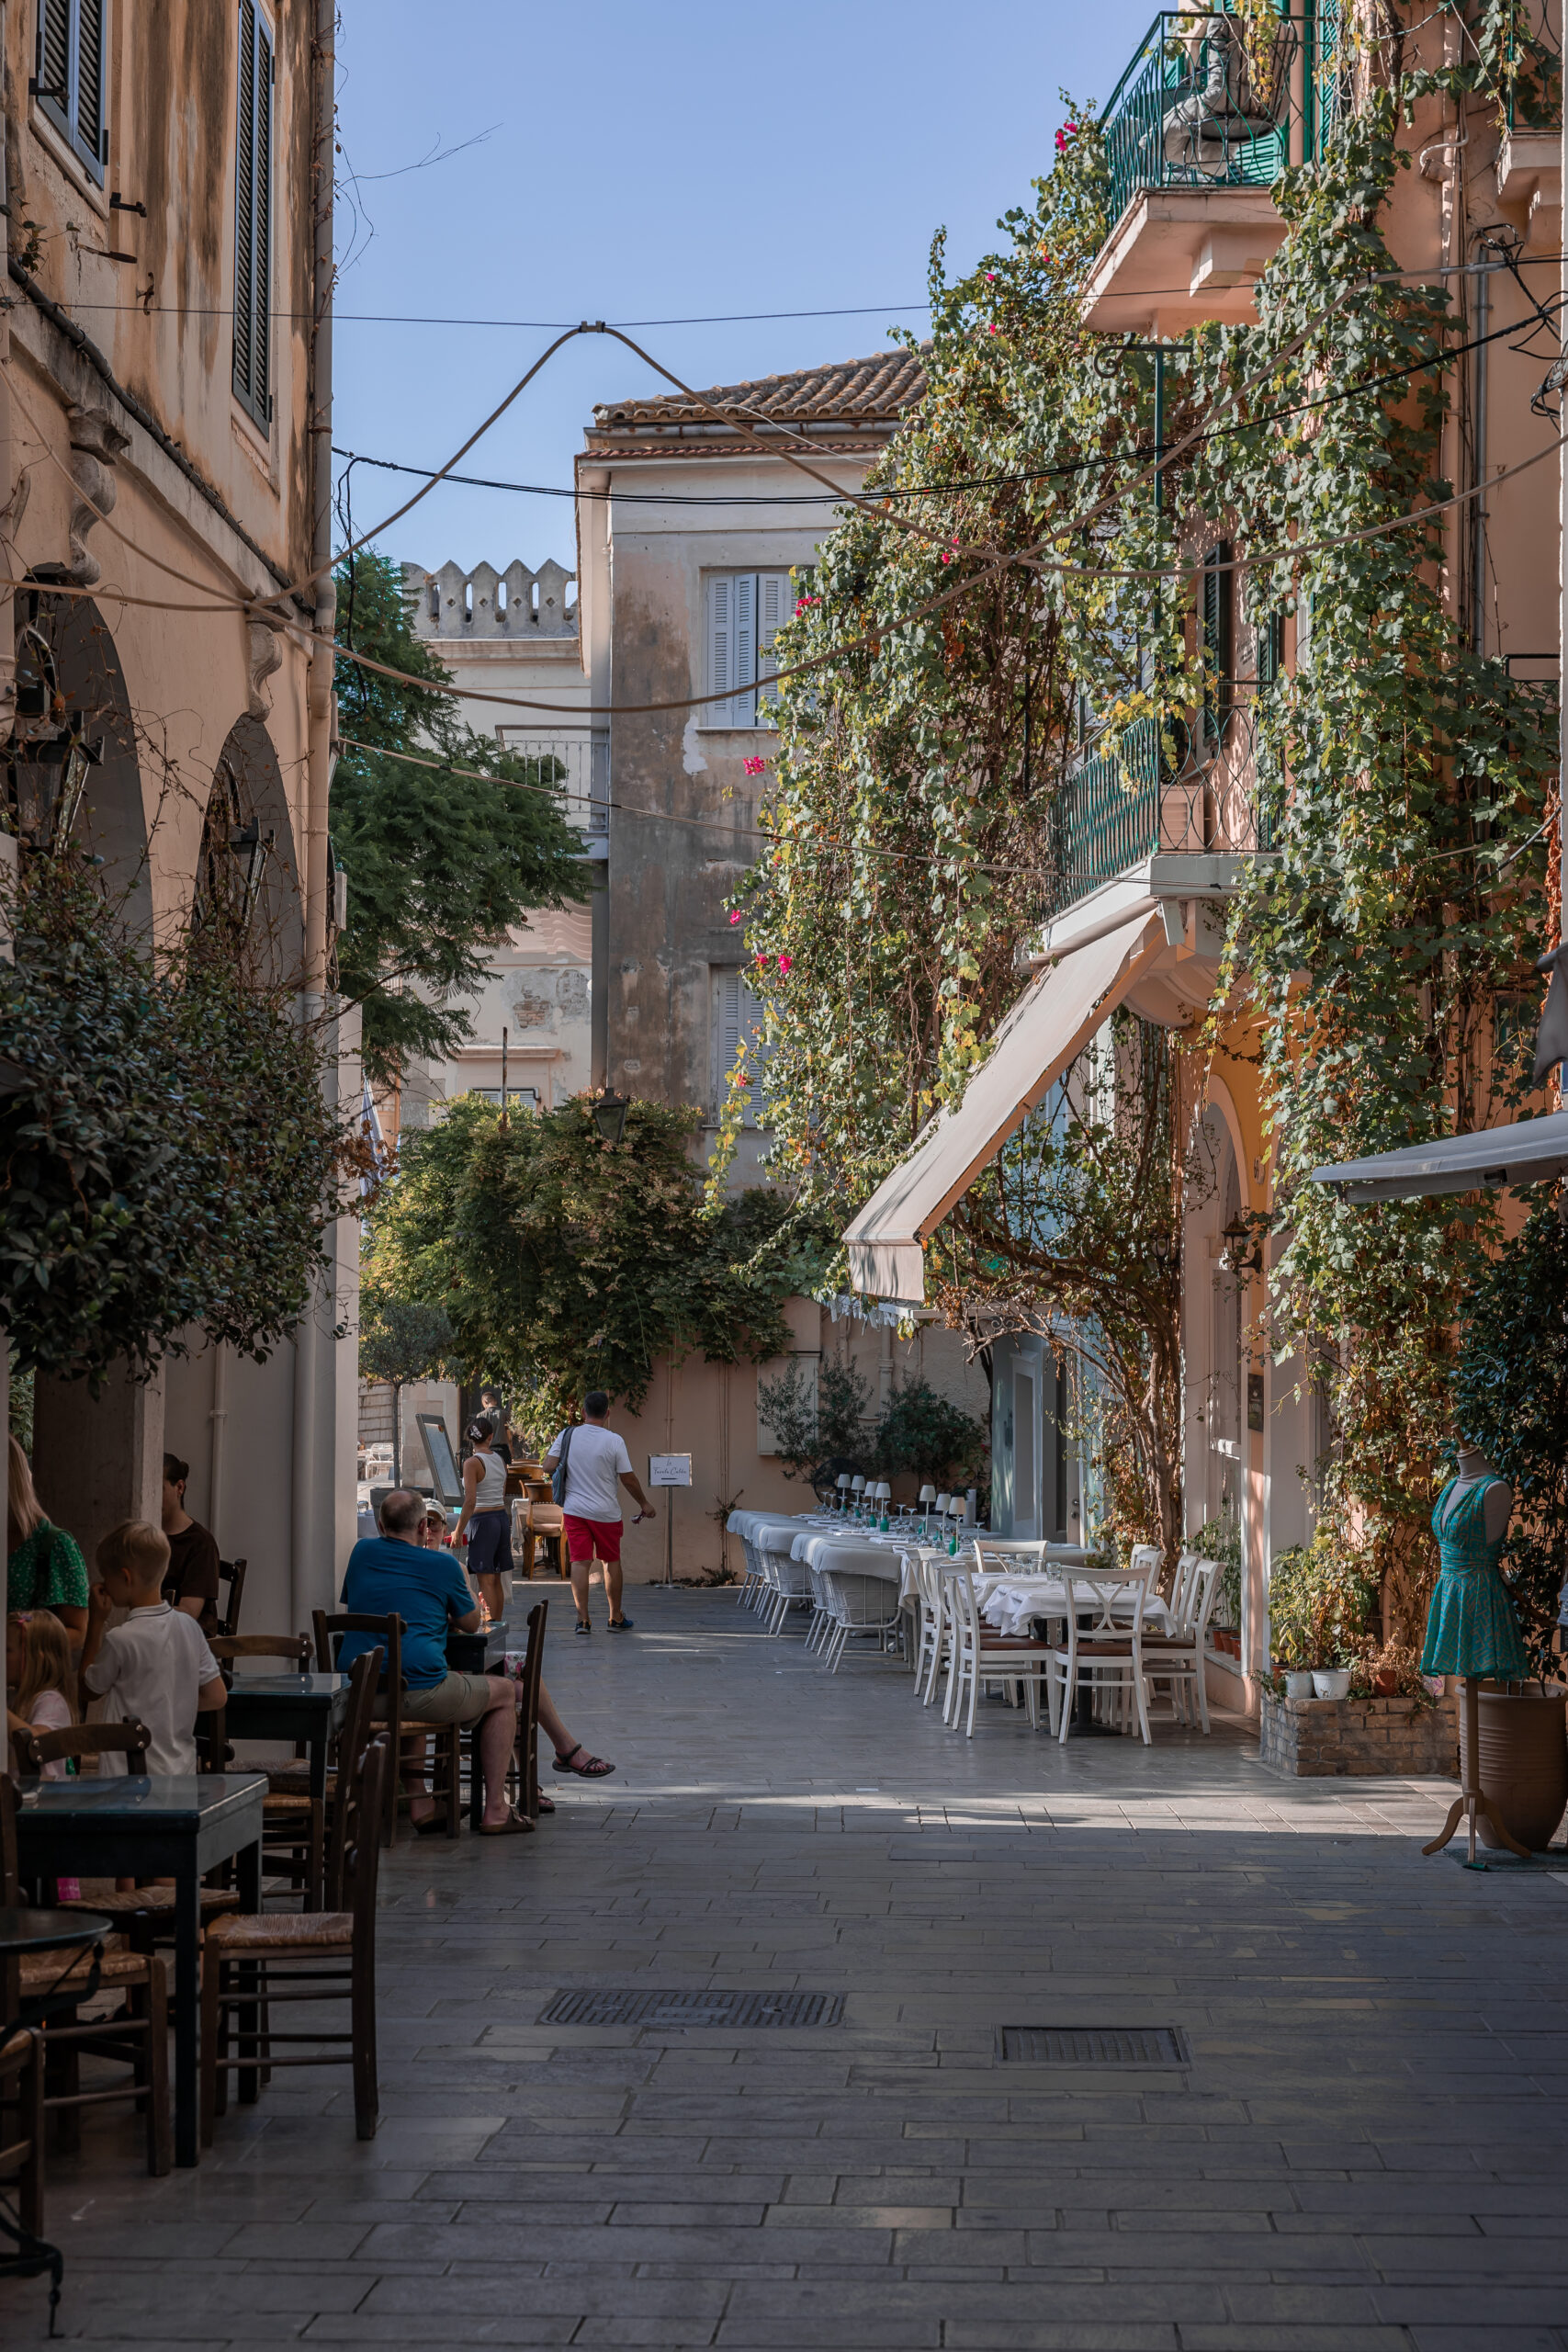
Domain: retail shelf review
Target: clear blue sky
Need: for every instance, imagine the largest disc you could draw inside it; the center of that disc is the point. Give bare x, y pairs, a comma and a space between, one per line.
649, 163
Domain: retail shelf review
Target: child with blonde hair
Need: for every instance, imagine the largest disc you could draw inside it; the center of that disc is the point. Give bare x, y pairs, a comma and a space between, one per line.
40, 1684
156, 1667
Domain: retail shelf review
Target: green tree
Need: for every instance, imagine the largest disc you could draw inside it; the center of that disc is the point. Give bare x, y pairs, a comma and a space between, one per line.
811, 1431
565, 1263
167, 1158
440, 863
402, 1340
924, 1432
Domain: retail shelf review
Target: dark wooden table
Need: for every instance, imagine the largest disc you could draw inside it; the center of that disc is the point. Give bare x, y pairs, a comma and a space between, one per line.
297, 1707
127, 1826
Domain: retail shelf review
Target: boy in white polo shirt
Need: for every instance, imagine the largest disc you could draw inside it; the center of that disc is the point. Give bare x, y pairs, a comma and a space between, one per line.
155, 1668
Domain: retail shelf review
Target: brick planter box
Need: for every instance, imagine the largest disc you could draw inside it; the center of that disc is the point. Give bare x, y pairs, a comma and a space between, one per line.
1329, 1738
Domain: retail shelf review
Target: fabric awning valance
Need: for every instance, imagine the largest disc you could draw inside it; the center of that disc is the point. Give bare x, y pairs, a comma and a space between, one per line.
1051, 1022
1526, 1151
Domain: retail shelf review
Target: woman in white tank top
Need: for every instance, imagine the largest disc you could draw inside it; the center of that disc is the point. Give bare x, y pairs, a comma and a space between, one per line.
486, 1522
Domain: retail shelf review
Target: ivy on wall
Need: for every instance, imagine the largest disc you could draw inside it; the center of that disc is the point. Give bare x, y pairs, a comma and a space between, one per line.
924, 770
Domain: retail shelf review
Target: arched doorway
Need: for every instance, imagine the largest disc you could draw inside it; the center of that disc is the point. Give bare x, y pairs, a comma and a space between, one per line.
73, 771
247, 877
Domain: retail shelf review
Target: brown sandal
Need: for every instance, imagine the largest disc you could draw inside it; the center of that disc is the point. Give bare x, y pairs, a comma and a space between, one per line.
515, 1825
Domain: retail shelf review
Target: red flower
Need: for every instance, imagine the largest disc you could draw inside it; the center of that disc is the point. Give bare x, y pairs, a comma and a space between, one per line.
755, 767
785, 963
736, 916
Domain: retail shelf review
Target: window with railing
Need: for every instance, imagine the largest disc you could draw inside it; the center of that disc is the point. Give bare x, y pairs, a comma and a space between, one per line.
1206, 103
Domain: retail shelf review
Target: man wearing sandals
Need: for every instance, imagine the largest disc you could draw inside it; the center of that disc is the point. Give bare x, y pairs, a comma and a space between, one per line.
393, 1572
596, 1459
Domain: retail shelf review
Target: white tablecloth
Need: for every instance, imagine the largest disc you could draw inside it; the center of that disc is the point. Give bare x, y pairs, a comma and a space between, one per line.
1010, 1602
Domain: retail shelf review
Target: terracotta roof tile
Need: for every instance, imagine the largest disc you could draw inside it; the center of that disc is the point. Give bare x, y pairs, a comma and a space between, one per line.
875, 391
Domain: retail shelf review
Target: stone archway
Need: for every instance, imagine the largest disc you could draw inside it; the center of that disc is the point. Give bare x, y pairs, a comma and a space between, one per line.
247, 877
73, 769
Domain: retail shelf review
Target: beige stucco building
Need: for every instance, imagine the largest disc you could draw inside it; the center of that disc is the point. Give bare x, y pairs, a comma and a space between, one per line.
165, 484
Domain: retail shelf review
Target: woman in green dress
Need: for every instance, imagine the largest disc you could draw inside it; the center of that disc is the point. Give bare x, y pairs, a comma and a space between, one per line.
44, 1567
1471, 1625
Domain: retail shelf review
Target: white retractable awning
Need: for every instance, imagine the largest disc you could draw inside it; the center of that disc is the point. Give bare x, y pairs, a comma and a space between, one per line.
1051, 1022
1528, 1151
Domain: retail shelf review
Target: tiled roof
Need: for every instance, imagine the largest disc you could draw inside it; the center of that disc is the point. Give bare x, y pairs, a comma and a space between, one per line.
844, 391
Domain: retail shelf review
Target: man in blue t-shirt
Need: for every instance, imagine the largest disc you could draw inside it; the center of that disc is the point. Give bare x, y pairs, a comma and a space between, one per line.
391, 1574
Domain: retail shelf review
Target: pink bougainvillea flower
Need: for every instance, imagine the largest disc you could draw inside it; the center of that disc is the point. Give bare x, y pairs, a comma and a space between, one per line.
736, 916
762, 963
994, 330
755, 767
947, 558
991, 275
786, 963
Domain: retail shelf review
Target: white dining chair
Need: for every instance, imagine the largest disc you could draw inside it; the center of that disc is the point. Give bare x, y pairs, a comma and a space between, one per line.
1014, 1555
858, 1604
789, 1577
982, 1655
1106, 1654
1177, 1657
928, 1626
1144, 1565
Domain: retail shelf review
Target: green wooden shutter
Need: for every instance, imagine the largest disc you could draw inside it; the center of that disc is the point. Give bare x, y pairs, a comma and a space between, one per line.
69, 83
252, 215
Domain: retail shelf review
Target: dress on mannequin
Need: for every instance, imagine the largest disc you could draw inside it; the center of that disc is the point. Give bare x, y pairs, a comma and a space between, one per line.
1471, 1625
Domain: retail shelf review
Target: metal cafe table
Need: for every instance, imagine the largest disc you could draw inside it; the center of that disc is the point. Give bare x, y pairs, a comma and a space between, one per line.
296, 1707
129, 1826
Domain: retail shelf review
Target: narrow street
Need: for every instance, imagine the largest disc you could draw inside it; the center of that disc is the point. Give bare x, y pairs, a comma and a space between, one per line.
1364, 2150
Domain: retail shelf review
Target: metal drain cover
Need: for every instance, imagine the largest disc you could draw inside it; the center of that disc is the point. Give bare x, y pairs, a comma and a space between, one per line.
1092, 2045
735, 2009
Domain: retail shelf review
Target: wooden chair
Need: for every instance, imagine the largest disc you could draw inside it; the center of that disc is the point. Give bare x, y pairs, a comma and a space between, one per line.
546, 1525
265, 1960
349, 1741
232, 1574
138, 2035
1107, 1655
21, 2073
528, 1712
1176, 1657
388, 1630
293, 1822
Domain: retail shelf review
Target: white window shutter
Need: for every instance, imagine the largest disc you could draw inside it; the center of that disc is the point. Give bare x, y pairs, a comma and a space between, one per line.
743, 704
721, 647
751, 1024
775, 597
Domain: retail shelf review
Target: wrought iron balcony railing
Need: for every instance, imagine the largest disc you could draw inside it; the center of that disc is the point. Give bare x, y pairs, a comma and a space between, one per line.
1207, 102
1169, 789
1532, 90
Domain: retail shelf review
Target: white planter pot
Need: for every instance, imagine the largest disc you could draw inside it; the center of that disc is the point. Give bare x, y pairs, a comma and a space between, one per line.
1298, 1686
1335, 1684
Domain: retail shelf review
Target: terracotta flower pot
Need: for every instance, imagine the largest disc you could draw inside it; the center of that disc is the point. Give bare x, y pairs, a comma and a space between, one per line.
1386, 1686
1524, 1762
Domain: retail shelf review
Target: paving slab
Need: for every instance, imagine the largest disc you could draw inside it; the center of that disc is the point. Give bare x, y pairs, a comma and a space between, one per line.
1360, 2150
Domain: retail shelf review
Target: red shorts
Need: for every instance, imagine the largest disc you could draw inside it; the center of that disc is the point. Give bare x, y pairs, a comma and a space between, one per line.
586, 1536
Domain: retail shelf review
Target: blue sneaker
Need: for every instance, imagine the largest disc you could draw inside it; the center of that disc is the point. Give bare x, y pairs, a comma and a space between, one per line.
620, 1625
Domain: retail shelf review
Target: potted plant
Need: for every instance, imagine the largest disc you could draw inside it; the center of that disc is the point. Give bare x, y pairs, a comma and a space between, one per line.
1510, 1398
1320, 1597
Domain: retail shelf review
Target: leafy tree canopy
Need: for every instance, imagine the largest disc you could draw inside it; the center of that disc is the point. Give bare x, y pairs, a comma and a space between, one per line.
440, 864
167, 1156
565, 1263
402, 1340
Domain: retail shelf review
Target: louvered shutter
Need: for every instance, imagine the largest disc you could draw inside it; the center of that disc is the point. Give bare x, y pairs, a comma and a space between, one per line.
1217, 640
89, 125
70, 76
752, 1026
721, 637
54, 61
740, 1020
775, 602
253, 215
743, 700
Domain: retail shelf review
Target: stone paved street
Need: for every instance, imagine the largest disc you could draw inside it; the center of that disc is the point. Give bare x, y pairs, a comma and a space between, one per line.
1365, 2151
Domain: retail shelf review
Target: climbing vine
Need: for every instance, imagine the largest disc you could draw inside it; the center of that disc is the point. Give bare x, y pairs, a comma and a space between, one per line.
1018, 600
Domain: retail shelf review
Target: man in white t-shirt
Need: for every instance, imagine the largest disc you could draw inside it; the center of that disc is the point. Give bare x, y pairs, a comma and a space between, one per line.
595, 1460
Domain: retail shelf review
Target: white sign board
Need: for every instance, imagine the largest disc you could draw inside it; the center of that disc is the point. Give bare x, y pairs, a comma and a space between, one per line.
669, 1469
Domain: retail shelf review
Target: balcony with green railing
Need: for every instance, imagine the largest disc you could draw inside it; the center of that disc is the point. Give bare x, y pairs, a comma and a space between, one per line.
1167, 789
1207, 102
1212, 108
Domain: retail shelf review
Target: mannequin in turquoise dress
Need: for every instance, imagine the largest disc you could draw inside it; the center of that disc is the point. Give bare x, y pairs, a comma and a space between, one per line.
1471, 1628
